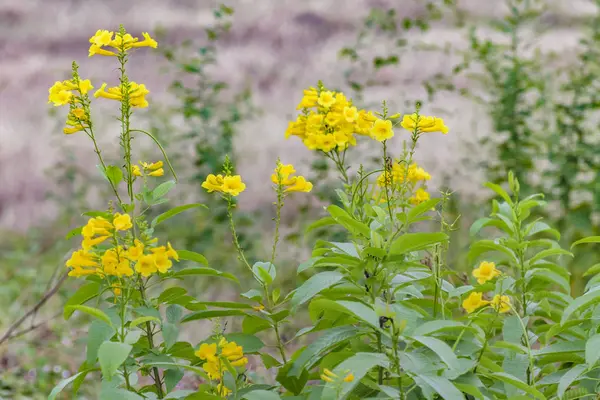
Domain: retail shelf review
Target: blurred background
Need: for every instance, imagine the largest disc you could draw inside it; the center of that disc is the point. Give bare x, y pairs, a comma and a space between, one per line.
515, 80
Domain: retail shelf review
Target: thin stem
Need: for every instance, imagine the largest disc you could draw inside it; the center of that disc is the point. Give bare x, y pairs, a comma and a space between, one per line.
485, 344
277, 220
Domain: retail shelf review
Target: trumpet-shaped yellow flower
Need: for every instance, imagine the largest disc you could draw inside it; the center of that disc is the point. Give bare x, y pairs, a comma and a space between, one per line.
309, 100
114, 263
171, 253
122, 222
82, 263
213, 183
89, 242
102, 37
152, 166
485, 272
382, 130
97, 226
136, 171
136, 251
156, 173
233, 185
474, 302
350, 114
146, 265
300, 185
326, 99
207, 352
419, 197
147, 42
137, 94
425, 124
501, 303
282, 173
222, 390
163, 264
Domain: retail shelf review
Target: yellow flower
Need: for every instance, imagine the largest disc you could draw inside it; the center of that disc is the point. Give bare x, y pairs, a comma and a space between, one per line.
73, 129
474, 301
420, 196
349, 377
309, 99
137, 94
102, 37
501, 303
301, 185
171, 253
327, 143
283, 172
350, 114
260, 307
136, 251
95, 49
146, 265
122, 222
296, 128
117, 290
97, 226
115, 263
213, 183
222, 390
425, 124
78, 113
326, 99
158, 172
153, 166
416, 174
486, 271
213, 369
233, 185
333, 118
382, 130
207, 352
59, 94
88, 242
135, 170
147, 42
163, 264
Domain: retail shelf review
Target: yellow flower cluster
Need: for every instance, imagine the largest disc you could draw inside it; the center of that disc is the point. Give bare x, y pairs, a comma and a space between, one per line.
214, 356
423, 124
485, 272
228, 184
329, 121
474, 301
329, 376
152, 169
104, 38
61, 93
283, 176
137, 94
414, 175
116, 260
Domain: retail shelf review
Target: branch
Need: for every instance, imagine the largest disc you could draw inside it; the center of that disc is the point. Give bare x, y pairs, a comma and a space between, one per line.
9, 333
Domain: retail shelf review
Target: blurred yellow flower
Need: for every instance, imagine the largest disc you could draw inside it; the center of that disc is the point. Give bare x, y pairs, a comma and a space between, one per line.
485, 272
158, 172
425, 124
301, 185
501, 303
213, 183
137, 94
122, 222
349, 377
474, 301
146, 265
326, 99
233, 185
420, 196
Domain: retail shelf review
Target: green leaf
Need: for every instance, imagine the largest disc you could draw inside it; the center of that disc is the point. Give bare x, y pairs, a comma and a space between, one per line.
89, 310
589, 239
142, 320
567, 380
74, 232
314, 285
211, 314
360, 364
170, 333
224, 304
592, 350
265, 272
410, 242
98, 333
361, 311
328, 339
506, 378
162, 189
261, 395
112, 393
252, 324
111, 356
63, 384
167, 365
292, 383
82, 295
204, 271
442, 386
443, 351
172, 378
548, 253
421, 209
320, 224
173, 212
354, 226
114, 175
501, 192
484, 246
434, 326
580, 303
250, 343
192, 256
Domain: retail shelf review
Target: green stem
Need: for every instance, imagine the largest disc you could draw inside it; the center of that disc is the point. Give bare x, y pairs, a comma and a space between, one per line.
485, 344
